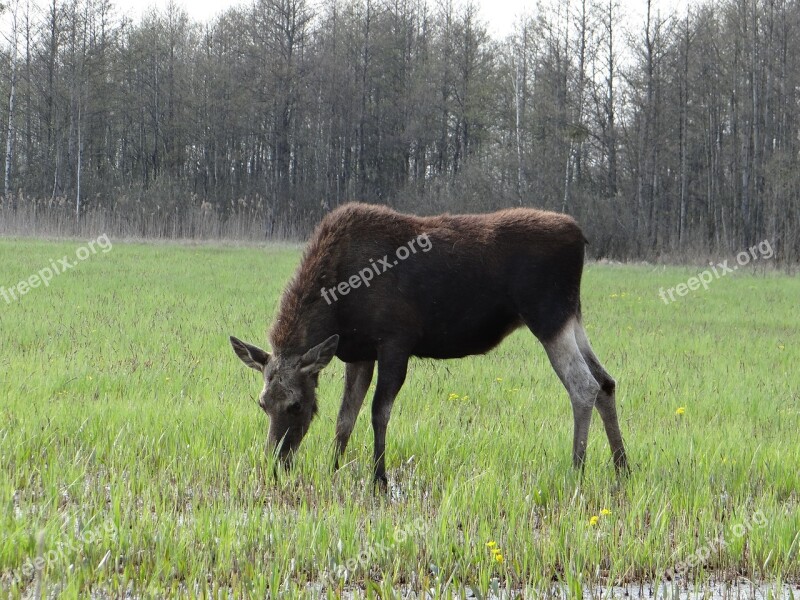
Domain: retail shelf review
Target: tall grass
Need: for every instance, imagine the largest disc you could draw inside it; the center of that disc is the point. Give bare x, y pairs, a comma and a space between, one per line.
255, 220
130, 440
58, 219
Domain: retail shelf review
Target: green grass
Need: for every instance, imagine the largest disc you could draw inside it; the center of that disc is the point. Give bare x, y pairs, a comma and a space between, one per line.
131, 443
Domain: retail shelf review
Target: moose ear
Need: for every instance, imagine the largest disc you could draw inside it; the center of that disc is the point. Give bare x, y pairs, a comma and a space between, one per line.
319, 356
253, 356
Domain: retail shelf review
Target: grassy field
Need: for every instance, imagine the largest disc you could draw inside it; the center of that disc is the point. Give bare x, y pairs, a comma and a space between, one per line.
132, 451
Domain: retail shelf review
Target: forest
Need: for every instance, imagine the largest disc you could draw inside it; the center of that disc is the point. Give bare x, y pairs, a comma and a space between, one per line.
672, 136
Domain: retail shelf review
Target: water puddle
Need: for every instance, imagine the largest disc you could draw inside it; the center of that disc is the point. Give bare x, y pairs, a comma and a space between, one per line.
740, 590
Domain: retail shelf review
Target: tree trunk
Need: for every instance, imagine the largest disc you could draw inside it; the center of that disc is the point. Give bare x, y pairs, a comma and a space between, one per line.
10, 133
520, 76
80, 161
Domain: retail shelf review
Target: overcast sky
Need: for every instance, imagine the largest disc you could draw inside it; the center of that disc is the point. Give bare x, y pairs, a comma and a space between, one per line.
498, 14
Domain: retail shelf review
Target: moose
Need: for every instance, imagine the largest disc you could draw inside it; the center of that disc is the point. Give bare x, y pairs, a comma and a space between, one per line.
376, 285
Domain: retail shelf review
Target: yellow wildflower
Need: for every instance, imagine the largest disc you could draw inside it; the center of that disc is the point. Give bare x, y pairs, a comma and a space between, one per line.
605, 512
453, 396
593, 520
498, 557
491, 544
680, 410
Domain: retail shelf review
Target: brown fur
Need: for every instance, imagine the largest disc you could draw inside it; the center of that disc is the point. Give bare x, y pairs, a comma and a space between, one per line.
355, 221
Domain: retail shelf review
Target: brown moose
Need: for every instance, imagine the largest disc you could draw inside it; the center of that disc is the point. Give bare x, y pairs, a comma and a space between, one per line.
377, 285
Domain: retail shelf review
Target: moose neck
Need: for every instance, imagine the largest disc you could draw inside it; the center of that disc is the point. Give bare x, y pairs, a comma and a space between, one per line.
304, 319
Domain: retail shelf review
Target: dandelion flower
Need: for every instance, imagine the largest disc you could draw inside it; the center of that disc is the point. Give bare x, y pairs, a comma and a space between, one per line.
453, 396
491, 544
605, 512
593, 520
498, 557
680, 410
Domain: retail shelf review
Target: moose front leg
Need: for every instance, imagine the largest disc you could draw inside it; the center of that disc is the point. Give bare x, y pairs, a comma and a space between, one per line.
357, 377
392, 367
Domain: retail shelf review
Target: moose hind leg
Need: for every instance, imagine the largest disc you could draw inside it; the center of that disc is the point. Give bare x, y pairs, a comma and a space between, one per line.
569, 364
357, 377
606, 399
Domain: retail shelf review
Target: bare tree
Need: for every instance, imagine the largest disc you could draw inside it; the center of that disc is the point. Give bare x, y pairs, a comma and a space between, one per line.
10, 129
